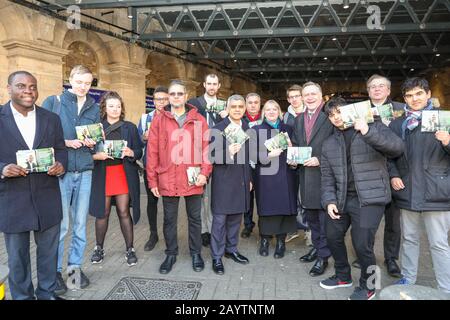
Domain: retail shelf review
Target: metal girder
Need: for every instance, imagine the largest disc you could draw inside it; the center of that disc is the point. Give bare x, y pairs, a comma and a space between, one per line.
100, 4
328, 68
255, 20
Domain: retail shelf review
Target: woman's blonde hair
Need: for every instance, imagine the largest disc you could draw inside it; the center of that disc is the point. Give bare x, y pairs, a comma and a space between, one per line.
271, 102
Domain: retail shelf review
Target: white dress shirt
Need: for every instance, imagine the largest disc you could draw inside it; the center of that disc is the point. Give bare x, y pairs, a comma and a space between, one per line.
26, 125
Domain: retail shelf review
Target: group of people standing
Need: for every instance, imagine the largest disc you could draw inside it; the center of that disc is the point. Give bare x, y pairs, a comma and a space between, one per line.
353, 178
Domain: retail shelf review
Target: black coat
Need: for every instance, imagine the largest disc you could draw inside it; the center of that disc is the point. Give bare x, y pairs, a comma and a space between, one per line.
309, 177
276, 194
230, 184
200, 103
32, 202
368, 157
130, 134
424, 169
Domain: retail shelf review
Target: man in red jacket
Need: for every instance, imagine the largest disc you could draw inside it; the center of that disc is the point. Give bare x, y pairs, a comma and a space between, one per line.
177, 145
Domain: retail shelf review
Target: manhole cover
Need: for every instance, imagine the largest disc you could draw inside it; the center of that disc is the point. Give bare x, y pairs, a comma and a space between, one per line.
133, 288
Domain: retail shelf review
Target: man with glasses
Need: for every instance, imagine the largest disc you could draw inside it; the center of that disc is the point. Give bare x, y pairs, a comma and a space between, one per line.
379, 90
205, 105
421, 183
178, 143
161, 99
294, 97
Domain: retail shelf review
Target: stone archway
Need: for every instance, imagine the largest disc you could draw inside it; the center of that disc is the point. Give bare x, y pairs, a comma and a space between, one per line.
3, 71
80, 53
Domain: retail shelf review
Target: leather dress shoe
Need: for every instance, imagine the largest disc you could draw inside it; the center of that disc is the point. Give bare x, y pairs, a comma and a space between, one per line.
310, 256
217, 266
264, 247
167, 265
197, 262
319, 267
151, 243
392, 268
280, 248
55, 297
237, 257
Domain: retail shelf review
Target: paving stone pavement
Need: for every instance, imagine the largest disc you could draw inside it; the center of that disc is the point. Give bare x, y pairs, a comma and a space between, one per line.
263, 279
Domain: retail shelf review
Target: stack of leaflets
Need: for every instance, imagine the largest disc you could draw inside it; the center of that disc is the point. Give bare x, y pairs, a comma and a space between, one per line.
298, 154
385, 112
234, 134
39, 160
360, 110
280, 141
192, 175
91, 131
113, 148
219, 106
434, 120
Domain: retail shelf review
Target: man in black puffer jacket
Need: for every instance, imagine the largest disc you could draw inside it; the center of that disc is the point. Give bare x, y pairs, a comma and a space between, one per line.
355, 190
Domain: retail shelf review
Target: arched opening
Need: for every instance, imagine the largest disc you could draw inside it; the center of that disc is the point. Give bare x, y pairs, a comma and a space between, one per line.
80, 53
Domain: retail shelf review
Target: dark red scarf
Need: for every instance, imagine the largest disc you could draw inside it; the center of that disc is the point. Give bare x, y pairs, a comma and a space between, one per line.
309, 123
255, 118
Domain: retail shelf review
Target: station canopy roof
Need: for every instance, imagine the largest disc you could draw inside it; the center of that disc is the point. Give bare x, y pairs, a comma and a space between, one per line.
279, 41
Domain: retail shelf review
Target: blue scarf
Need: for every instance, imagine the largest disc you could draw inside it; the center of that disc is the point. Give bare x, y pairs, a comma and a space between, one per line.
413, 118
275, 125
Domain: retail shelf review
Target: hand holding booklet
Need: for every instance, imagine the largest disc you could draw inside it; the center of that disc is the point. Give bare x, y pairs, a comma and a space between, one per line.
360, 110
192, 175
235, 134
280, 141
38, 160
113, 148
298, 154
90, 131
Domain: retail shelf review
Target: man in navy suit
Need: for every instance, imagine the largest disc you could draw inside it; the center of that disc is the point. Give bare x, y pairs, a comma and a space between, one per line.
24, 204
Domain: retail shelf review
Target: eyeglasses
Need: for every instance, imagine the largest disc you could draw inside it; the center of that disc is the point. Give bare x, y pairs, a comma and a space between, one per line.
374, 86
178, 94
161, 99
295, 97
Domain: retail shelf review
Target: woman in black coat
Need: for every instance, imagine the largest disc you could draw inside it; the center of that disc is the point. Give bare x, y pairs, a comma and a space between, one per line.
230, 186
115, 177
275, 184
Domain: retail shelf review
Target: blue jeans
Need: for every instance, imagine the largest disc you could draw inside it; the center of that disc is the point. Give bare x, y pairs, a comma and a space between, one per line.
75, 193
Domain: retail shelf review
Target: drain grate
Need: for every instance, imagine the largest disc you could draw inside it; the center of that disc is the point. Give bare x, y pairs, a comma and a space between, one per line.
134, 288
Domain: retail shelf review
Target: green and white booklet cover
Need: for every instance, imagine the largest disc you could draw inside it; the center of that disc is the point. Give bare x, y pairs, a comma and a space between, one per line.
113, 148
38, 160
280, 141
234, 134
298, 154
434, 120
91, 131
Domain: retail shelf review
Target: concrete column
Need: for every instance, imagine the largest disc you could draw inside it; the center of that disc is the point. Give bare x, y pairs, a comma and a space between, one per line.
129, 82
44, 62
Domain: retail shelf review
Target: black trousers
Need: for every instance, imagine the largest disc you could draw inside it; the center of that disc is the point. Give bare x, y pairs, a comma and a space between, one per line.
19, 263
392, 231
193, 208
152, 207
364, 222
249, 224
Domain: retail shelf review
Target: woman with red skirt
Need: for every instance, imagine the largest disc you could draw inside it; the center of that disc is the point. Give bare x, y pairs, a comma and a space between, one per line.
115, 178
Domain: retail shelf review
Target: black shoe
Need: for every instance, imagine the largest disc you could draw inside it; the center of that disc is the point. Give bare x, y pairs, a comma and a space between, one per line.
246, 233
264, 247
55, 297
393, 269
217, 266
61, 287
84, 280
237, 257
167, 265
98, 255
310, 256
279, 249
130, 257
197, 262
319, 267
151, 243
206, 239
356, 264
